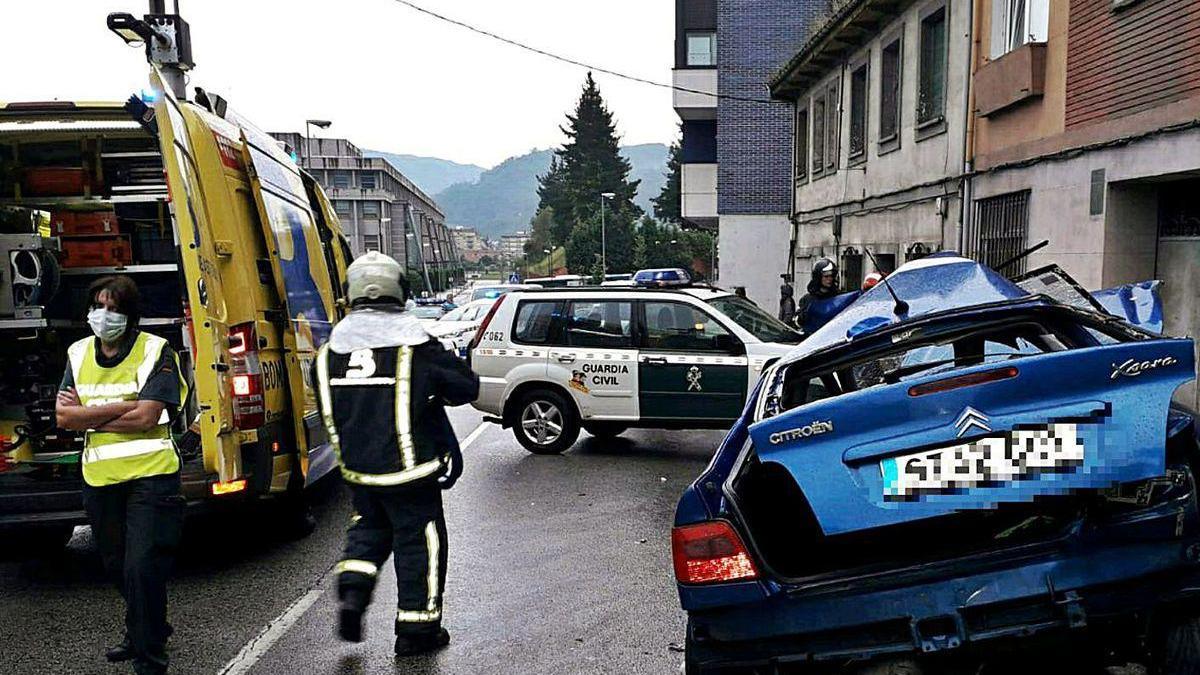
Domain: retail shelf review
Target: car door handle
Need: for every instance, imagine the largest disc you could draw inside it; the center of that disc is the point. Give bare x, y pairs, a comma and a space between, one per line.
566, 358
655, 360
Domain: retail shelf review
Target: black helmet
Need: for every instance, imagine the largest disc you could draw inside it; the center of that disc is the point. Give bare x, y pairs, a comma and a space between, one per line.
822, 267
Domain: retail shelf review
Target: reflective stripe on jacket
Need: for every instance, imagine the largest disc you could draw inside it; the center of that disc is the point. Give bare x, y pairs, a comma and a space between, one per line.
112, 457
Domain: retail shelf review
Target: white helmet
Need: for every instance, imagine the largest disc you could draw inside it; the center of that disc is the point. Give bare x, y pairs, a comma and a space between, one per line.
373, 276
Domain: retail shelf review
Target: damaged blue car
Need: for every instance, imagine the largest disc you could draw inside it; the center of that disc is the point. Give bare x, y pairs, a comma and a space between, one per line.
956, 463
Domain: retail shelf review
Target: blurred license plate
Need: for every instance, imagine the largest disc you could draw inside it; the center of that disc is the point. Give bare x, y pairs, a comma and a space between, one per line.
1014, 455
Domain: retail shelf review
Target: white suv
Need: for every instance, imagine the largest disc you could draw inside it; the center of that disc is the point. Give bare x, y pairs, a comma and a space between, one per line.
607, 359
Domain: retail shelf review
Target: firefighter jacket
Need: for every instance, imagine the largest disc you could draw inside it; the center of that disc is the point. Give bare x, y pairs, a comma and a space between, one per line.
384, 406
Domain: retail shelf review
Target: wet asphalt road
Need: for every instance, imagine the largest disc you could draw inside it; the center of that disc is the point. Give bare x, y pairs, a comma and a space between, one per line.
557, 565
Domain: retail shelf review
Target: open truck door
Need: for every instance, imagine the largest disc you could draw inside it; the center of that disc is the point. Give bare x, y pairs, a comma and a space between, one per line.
973, 438
207, 326
302, 278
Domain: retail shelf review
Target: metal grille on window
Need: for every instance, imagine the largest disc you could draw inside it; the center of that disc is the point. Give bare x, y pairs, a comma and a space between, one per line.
858, 113
1000, 230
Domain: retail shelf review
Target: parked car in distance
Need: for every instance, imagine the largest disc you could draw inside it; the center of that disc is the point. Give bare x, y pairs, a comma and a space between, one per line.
991, 463
495, 291
456, 328
428, 313
554, 361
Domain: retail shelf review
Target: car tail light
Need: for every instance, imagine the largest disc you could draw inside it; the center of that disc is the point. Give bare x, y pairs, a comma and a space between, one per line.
962, 381
710, 552
484, 326
246, 384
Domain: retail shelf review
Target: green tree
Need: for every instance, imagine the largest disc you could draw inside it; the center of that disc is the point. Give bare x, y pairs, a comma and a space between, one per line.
541, 232
667, 204
587, 165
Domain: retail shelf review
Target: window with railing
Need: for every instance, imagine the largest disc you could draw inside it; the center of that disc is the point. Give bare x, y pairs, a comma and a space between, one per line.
858, 113
931, 98
1000, 230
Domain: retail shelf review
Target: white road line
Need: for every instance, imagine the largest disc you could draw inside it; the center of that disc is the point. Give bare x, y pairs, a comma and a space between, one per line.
260, 644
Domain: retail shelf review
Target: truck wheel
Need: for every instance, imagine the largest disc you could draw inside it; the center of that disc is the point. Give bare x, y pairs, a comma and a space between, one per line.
546, 423
1178, 650
39, 541
605, 430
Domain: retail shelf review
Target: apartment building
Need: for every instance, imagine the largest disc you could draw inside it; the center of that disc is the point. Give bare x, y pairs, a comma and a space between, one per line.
512, 246
1085, 131
379, 208
879, 99
736, 141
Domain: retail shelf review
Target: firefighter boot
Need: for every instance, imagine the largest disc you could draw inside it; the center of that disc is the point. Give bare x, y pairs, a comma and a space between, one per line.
411, 645
353, 604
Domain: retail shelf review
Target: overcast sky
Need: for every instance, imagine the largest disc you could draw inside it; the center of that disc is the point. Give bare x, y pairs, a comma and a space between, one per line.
388, 77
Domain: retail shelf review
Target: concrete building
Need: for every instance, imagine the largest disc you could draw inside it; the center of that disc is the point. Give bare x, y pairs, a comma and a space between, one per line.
736, 142
879, 96
379, 208
467, 239
1094, 148
512, 246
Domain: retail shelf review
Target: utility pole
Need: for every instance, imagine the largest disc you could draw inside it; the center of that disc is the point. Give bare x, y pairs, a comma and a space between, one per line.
604, 236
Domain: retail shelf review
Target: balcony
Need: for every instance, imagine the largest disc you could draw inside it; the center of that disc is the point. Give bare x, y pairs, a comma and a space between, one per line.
692, 106
1015, 77
698, 188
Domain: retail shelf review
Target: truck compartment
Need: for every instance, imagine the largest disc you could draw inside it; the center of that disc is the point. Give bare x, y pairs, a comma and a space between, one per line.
75, 207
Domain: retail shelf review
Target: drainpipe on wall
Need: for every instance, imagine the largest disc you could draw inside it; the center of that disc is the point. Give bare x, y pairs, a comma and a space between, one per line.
965, 221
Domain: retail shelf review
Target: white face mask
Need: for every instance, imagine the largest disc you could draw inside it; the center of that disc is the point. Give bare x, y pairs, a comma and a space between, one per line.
108, 325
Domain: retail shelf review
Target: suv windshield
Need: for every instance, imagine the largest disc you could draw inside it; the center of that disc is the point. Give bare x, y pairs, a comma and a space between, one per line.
751, 317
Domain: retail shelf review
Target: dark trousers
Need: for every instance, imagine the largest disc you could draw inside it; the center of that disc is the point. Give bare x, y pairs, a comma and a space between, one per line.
137, 526
408, 524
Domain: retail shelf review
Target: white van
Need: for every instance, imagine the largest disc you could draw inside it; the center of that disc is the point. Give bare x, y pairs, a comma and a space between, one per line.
607, 359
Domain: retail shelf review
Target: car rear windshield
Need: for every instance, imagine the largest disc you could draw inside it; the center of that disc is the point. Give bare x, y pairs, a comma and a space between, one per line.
752, 317
995, 344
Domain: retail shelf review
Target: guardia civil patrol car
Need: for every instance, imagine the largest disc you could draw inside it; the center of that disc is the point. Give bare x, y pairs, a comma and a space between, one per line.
606, 359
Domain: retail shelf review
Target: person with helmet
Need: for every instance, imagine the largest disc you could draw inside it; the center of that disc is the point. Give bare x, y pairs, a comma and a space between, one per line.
384, 384
871, 280
822, 286
123, 388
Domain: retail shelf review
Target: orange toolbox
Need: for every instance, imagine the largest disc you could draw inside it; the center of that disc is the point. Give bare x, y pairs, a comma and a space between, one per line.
57, 181
76, 223
96, 252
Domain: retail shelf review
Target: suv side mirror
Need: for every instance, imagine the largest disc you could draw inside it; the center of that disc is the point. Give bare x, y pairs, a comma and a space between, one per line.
729, 344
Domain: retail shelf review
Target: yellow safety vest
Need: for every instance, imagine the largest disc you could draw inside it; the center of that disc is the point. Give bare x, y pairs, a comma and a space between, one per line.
109, 457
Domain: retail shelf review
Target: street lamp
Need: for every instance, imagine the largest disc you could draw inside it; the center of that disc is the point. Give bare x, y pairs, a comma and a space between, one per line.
320, 124
604, 236
549, 262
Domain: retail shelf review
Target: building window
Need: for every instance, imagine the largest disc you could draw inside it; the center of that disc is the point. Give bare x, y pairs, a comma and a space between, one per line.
1018, 22
366, 180
818, 134
931, 100
852, 269
370, 210
1000, 231
858, 113
370, 242
890, 69
343, 208
801, 134
833, 109
702, 48
341, 179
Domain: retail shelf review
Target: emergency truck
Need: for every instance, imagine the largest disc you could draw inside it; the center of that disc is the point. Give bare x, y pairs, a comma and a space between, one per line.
240, 263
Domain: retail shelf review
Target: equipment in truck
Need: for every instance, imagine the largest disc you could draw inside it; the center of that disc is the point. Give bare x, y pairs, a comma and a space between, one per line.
954, 460
240, 261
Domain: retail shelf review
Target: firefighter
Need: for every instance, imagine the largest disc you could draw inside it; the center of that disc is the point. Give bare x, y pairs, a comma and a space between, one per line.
384, 384
123, 388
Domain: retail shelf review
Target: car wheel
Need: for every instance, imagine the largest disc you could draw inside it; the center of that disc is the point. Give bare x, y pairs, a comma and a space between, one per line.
605, 429
546, 423
1178, 646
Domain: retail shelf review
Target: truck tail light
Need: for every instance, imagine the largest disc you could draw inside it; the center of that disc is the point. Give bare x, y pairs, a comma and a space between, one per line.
246, 383
484, 326
710, 552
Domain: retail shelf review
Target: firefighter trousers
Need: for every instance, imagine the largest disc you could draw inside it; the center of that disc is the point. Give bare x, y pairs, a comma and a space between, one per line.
408, 524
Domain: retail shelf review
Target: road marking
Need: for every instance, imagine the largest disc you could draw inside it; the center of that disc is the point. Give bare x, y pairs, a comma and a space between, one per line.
260, 644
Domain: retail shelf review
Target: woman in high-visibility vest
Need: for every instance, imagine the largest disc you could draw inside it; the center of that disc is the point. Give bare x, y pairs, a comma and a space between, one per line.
122, 388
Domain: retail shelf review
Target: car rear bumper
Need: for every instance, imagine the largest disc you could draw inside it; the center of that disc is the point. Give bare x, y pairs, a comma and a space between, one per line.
1052, 592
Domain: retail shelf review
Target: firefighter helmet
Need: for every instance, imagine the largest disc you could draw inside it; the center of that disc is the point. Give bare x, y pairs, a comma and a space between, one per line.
375, 276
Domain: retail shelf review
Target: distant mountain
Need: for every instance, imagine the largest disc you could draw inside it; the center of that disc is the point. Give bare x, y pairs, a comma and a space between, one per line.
430, 173
504, 199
